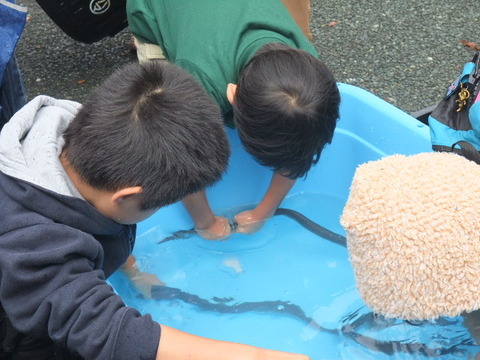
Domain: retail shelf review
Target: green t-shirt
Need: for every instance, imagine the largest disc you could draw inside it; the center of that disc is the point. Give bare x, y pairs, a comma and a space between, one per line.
214, 39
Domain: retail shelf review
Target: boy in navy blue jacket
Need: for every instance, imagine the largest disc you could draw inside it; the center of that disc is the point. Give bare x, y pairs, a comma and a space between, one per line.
73, 182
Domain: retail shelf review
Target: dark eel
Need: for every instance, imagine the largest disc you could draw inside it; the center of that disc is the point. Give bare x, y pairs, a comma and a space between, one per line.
286, 308
292, 214
312, 226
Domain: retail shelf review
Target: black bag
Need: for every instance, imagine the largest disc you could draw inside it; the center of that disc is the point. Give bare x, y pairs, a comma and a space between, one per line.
455, 122
87, 20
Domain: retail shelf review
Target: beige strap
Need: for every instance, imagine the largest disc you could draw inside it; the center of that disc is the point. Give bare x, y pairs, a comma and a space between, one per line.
147, 52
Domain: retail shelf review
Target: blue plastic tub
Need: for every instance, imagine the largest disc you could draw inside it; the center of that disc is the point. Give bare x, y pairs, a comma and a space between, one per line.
369, 128
285, 288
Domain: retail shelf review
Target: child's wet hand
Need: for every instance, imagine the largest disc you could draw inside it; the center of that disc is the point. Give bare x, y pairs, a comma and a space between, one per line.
143, 283
249, 222
219, 230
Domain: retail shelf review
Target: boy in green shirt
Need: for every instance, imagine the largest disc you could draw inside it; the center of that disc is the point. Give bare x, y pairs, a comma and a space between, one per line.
254, 60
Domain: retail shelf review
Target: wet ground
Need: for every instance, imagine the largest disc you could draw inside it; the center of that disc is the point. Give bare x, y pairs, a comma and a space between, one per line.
406, 52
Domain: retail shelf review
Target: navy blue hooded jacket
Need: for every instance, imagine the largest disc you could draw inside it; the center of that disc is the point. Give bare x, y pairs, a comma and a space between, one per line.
56, 250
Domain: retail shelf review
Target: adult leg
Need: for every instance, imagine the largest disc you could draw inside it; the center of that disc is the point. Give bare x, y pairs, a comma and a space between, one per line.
300, 12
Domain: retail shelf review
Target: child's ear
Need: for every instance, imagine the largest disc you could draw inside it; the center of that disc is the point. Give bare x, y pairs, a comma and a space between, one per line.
231, 90
126, 193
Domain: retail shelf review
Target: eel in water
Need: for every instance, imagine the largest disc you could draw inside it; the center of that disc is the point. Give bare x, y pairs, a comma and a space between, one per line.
301, 219
286, 308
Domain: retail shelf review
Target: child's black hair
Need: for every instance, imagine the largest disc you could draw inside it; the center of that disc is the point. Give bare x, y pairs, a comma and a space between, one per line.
150, 125
286, 107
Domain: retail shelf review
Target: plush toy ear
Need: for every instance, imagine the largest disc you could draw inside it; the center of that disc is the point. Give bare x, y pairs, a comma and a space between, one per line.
412, 234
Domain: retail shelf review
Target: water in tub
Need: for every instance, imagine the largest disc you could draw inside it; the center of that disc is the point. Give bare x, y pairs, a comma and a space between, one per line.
282, 288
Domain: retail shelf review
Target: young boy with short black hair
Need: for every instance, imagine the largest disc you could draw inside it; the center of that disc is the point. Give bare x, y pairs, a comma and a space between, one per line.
255, 61
73, 181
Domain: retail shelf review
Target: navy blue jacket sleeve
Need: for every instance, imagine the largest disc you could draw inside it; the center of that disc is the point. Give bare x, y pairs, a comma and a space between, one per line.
51, 284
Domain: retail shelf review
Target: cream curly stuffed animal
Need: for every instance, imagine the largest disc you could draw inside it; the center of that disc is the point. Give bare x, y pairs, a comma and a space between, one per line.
413, 234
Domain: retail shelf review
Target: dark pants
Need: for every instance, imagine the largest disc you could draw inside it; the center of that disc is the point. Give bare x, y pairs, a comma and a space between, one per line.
17, 346
12, 92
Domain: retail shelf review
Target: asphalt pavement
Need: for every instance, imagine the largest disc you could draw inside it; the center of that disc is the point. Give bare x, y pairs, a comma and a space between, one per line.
405, 52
